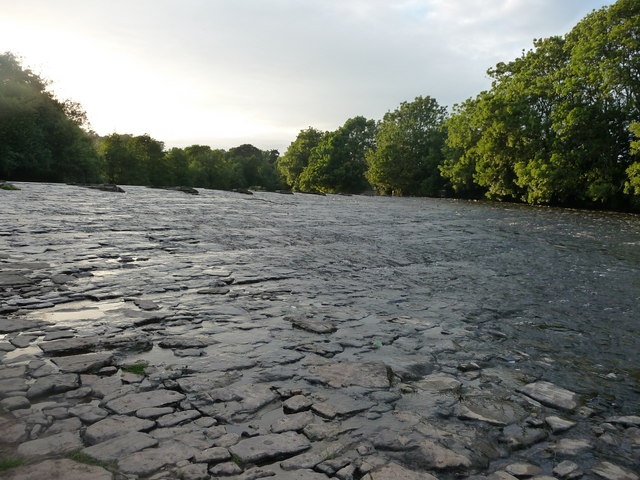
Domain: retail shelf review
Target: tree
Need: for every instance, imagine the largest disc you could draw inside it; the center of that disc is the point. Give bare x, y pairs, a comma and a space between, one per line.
296, 158
556, 126
408, 151
41, 138
337, 164
209, 168
257, 167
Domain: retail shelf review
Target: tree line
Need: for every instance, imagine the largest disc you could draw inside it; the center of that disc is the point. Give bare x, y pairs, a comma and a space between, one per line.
560, 125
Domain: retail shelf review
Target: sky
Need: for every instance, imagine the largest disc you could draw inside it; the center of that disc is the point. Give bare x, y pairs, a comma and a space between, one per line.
227, 72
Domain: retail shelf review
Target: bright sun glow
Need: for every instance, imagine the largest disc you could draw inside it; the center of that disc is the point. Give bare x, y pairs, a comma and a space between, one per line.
133, 97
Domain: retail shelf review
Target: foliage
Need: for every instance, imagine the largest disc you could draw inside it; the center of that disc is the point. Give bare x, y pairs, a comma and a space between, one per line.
41, 138
81, 457
555, 128
137, 368
408, 151
337, 164
296, 158
7, 463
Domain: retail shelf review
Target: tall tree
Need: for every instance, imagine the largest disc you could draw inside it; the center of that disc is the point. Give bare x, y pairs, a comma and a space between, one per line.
296, 158
337, 164
41, 137
408, 149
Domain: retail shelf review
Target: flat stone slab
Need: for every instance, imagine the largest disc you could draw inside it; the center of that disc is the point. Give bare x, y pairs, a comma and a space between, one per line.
394, 471
347, 374
438, 383
148, 461
77, 345
58, 469
627, 421
489, 410
294, 422
10, 325
128, 404
236, 401
551, 395
53, 384
297, 403
17, 384
341, 405
558, 424
173, 419
272, 446
311, 325
115, 426
116, 448
14, 279
58, 444
83, 363
435, 456
611, 471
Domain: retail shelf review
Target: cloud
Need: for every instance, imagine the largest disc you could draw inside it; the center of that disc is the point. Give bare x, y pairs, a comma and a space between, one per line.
229, 70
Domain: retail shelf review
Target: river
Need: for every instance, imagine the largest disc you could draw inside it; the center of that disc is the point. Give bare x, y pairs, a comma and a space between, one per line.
422, 286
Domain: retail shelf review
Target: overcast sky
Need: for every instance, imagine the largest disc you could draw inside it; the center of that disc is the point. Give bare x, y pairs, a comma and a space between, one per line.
227, 72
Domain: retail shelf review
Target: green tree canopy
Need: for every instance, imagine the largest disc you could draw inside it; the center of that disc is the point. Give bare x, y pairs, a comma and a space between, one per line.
337, 164
556, 126
296, 158
41, 138
408, 149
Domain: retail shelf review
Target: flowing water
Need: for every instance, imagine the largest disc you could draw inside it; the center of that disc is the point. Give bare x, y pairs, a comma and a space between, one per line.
539, 292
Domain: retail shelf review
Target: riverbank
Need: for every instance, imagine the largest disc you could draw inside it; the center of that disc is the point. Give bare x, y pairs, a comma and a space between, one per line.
166, 335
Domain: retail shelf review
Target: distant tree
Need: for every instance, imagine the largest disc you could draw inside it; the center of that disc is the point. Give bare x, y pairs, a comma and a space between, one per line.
296, 158
557, 125
337, 164
177, 164
150, 156
408, 151
41, 138
210, 169
632, 185
257, 167
133, 160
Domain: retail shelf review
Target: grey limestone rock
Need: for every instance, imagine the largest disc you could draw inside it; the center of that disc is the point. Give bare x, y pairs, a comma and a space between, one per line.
558, 424
393, 471
345, 374
293, 422
297, 403
147, 461
611, 471
225, 469
177, 418
52, 384
523, 470
272, 446
83, 363
58, 469
116, 448
551, 395
14, 403
212, 455
132, 402
114, 426
57, 444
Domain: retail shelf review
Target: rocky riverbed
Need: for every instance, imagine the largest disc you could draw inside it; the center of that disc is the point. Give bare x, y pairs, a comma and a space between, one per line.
154, 334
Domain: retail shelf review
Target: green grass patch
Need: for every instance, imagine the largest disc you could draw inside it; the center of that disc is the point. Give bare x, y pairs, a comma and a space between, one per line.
8, 186
80, 457
7, 463
235, 459
137, 368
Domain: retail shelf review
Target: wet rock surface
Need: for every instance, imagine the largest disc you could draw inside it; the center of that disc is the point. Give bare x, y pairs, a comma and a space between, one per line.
307, 337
